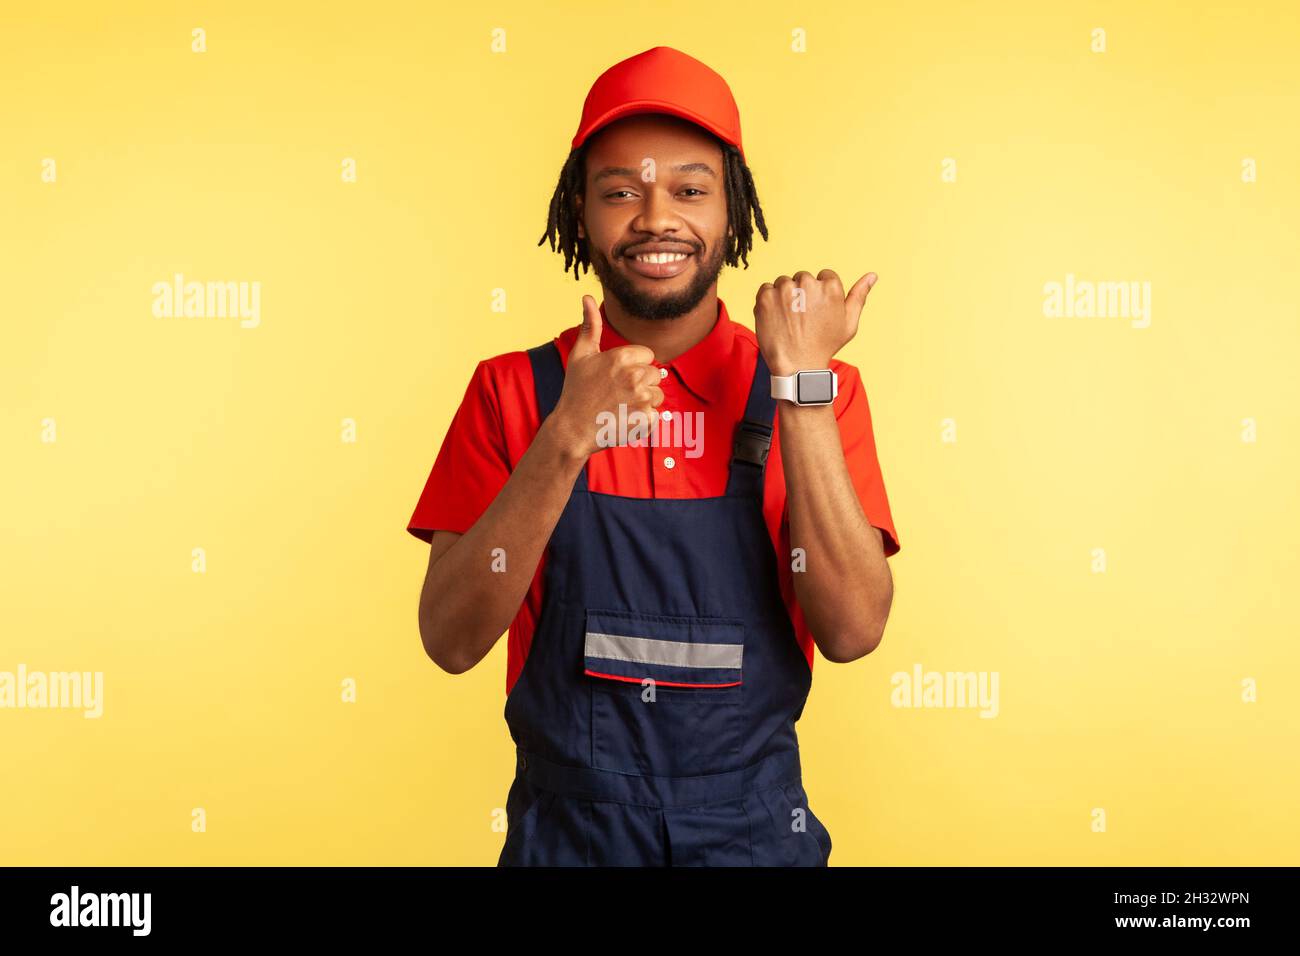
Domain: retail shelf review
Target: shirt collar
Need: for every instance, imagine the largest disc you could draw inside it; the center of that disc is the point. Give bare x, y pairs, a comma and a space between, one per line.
703, 368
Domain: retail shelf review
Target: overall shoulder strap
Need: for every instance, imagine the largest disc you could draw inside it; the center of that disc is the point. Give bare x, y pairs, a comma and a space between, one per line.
548, 382
753, 437
548, 376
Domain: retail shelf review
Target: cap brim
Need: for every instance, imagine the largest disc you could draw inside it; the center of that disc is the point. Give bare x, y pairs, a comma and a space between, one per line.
638, 107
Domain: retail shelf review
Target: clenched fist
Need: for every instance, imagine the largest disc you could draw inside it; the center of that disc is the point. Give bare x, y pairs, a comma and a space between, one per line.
597, 382
801, 322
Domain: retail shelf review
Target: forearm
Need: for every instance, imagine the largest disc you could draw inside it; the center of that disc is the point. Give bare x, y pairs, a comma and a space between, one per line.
473, 591
846, 588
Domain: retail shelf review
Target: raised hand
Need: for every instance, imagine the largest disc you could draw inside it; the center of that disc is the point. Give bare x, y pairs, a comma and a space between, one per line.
801, 322
597, 382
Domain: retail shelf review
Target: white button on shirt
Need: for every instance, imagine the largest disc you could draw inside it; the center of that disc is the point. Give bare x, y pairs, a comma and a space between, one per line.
663, 373
669, 462
667, 416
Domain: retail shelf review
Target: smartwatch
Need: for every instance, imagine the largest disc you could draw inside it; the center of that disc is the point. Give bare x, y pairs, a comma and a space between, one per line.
808, 387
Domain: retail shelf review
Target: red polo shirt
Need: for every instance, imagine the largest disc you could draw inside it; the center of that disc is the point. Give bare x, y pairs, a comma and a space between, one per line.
498, 418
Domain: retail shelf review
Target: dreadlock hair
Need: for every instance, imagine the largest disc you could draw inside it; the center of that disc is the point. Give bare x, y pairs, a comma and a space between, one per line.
738, 184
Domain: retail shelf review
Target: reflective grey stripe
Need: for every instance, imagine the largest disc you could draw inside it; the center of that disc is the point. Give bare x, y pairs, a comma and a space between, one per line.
646, 650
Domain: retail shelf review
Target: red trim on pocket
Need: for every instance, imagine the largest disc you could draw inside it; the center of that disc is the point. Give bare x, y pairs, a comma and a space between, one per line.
663, 683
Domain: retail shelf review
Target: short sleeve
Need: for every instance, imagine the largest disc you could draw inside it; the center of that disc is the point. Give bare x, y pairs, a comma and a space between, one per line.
859, 444
472, 466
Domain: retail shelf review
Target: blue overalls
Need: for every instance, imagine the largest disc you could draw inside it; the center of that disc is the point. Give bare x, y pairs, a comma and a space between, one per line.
654, 716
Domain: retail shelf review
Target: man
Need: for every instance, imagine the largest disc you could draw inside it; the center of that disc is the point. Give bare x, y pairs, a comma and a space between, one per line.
663, 602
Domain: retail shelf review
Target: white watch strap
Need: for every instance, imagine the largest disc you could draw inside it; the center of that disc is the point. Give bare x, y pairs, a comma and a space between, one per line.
783, 387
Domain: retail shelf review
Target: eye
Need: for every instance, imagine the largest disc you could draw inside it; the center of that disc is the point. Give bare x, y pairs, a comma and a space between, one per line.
616, 192
693, 190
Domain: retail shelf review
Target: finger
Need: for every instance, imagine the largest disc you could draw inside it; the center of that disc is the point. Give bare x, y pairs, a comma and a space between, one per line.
588, 341
830, 275
650, 376
634, 354
857, 297
643, 386
641, 422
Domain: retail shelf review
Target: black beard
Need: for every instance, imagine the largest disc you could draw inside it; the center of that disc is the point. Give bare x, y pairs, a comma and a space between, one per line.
643, 306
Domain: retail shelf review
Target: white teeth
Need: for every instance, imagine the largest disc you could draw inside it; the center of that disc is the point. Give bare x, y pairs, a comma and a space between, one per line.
661, 257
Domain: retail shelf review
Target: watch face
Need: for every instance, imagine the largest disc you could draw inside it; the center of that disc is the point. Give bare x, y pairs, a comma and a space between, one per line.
814, 388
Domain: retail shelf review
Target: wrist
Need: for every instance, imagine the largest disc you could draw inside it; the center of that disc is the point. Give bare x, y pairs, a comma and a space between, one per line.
794, 413
563, 441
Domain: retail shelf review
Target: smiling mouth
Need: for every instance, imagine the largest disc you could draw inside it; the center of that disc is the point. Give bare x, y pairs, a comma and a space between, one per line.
659, 265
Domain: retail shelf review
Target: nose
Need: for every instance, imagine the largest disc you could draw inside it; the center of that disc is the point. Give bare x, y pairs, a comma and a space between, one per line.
656, 215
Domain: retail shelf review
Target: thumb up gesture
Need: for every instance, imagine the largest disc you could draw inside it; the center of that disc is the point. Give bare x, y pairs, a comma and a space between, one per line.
597, 382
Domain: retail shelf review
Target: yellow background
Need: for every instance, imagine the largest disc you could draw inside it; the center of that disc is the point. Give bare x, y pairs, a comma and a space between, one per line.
1119, 690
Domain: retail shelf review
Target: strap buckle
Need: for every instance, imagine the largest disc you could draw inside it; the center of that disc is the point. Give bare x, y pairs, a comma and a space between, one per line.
752, 442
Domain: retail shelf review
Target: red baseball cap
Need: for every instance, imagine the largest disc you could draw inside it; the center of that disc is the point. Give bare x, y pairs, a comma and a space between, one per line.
662, 80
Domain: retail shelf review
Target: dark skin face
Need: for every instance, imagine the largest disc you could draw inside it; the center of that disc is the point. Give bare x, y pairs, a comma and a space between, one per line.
685, 206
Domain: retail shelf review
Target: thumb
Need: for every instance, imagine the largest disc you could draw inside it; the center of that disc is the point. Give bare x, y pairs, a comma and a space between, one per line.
588, 341
857, 297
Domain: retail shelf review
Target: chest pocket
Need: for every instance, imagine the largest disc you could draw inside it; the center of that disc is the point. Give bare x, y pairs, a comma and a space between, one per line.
666, 692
